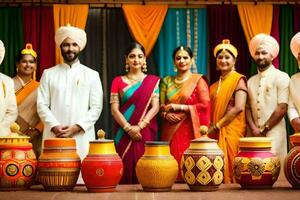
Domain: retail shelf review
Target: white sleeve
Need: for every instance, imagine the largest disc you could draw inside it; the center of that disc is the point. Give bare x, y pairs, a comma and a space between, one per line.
44, 102
11, 111
95, 103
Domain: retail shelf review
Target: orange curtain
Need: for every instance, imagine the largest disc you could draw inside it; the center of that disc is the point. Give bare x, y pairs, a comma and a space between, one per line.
145, 22
255, 19
75, 15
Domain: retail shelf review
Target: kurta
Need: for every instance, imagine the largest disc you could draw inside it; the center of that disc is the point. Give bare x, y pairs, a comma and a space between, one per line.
266, 90
70, 95
294, 97
8, 105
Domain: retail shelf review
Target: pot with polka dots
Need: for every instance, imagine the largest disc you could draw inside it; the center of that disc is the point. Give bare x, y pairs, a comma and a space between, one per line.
102, 168
202, 165
17, 164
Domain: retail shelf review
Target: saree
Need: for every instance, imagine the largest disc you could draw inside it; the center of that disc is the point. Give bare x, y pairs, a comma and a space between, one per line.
134, 104
194, 93
28, 117
229, 135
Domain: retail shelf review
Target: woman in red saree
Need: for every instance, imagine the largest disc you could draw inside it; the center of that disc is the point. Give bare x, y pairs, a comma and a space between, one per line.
185, 105
228, 99
26, 94
134, 104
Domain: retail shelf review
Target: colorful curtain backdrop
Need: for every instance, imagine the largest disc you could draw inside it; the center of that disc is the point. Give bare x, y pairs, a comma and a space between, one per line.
255, 19
224, 23
145, 22
108, 37
182, 27
76, 15
296, 9
275, 30
11, 34
39, 30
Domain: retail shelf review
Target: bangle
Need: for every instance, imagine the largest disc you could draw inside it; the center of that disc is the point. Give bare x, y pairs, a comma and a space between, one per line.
181, 107
218, 126
127, 127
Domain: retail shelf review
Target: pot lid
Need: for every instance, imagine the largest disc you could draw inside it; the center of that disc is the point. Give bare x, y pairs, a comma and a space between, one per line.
101, 138
204, 139
255, 142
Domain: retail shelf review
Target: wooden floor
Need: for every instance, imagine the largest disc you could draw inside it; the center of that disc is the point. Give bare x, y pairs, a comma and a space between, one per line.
280, 191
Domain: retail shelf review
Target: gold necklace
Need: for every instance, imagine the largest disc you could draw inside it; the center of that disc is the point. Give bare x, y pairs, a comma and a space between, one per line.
133, 78
182, 80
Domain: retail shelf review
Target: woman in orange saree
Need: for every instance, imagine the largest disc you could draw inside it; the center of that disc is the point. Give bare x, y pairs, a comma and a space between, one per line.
185, 105
228, 99
134, 104
26, 93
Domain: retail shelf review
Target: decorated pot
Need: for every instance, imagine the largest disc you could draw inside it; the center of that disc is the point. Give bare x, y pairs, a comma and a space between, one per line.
292, 162
255, 165
17, 163
202, 165
157, 169
102, 168
59, 164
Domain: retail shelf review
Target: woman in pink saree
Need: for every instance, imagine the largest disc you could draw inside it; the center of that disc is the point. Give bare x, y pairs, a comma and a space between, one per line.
134, 103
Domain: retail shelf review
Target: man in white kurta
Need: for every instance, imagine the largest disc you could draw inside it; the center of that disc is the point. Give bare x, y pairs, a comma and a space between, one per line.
294, 88
268, 95
8, 105
70, 95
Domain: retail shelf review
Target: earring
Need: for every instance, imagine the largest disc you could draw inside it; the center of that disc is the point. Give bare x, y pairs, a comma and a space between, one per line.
126, 67
175, 69
144, 67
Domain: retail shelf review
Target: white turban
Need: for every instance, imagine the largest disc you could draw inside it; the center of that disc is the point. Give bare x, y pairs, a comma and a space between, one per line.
2, 51
265, 41
295, 44
74, 33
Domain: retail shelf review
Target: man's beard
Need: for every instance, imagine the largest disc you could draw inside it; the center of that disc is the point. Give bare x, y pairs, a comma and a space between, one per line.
262, 65
68, 59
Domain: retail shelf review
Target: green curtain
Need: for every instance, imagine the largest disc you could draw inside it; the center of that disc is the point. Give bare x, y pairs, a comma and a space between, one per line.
11, 34
288, 63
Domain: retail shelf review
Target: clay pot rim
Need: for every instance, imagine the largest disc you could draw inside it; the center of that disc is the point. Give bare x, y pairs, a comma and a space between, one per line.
14, 137
157, 143
102, 141
255, 142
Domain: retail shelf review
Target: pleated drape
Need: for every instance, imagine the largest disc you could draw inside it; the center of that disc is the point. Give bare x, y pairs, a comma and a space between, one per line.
224, 23
255, 19
38, 28
145, 23
75, 15
11, 34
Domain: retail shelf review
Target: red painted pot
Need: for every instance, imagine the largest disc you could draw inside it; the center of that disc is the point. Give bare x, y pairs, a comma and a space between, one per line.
102, 168
59, 164
17, 163
292, 162
255, 165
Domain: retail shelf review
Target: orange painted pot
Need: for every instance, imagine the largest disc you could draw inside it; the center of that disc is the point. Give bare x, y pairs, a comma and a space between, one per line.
292, 162
102, 168
255, 165
59, 164
17, 163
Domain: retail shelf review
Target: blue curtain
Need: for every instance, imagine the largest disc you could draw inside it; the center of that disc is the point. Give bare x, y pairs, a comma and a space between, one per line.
180, 28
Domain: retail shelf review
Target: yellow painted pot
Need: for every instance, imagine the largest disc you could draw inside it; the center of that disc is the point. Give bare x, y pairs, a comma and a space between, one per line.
157, 169
202, 165
17, 163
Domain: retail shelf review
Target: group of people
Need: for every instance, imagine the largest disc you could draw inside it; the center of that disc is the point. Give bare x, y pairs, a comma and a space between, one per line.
69, 98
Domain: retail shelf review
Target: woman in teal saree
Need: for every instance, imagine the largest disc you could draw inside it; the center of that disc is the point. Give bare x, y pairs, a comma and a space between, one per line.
134, 104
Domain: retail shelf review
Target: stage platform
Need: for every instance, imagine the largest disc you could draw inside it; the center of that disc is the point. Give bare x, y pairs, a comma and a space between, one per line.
280, 191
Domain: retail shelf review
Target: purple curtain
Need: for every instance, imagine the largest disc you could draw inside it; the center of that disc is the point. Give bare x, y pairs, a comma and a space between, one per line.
224, 23
275, 30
